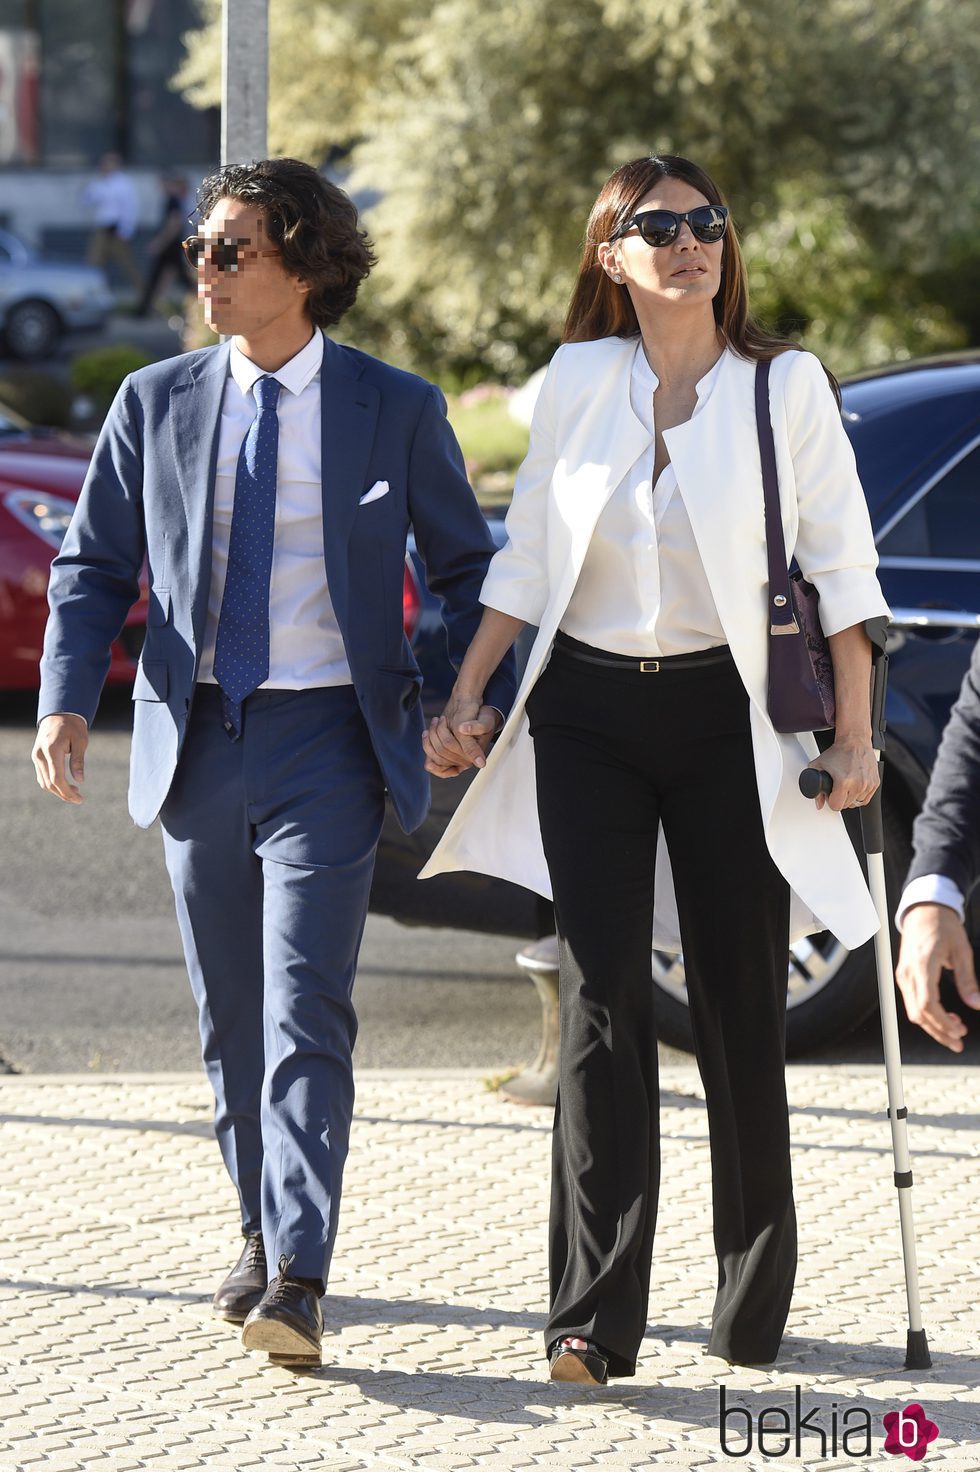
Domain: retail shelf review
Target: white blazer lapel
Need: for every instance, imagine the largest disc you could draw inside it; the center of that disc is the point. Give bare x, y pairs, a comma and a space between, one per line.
725, 507
600, 438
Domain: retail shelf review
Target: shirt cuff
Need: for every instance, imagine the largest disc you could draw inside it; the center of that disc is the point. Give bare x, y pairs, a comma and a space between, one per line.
503, 719
930, 889
64, 713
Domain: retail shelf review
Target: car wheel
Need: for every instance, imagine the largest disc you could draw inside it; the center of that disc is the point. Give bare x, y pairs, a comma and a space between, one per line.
830, 990
32, 330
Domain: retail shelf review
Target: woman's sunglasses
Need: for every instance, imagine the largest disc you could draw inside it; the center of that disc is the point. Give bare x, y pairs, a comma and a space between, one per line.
660, 227
224, 252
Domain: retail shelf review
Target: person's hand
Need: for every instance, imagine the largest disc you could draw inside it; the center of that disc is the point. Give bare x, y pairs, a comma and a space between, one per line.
458, 739
854, 768
60, 738
934, 939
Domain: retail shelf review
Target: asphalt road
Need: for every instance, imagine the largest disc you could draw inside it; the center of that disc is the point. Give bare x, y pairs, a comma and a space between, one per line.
91, 976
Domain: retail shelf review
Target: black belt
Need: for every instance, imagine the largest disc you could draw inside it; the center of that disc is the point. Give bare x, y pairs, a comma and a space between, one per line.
662, 664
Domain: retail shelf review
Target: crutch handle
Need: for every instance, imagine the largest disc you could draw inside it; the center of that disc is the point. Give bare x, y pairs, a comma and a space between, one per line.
814, 781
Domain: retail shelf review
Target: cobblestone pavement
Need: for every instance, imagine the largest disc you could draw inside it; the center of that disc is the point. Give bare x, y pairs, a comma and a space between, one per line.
118, 1224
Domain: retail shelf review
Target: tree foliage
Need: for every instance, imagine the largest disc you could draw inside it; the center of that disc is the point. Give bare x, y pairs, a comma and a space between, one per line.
844, 134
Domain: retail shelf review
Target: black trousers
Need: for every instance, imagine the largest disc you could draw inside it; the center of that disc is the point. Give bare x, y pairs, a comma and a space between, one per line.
617, 753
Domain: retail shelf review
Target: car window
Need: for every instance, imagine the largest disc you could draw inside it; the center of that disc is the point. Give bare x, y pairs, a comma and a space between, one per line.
946, 522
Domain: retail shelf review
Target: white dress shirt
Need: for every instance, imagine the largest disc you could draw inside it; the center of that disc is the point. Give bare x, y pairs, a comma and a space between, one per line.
112, 199
306, 649
643, 589
930, 889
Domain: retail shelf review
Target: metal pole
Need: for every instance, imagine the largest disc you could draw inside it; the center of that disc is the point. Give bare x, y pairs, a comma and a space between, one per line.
917, 1355
244, 80
812, 781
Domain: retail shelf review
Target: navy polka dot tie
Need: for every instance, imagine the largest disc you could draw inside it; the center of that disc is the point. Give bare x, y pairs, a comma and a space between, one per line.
241, 654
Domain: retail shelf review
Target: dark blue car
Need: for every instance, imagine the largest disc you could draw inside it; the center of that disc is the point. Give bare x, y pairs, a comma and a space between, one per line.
916, 435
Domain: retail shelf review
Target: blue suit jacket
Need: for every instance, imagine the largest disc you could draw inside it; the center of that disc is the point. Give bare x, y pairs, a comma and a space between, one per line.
149, 493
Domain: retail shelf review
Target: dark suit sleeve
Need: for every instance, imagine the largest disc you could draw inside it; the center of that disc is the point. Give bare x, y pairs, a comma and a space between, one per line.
946, 835
95, 577
453, 540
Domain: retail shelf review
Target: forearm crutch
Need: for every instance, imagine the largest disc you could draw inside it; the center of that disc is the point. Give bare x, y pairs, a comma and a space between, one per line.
813, 781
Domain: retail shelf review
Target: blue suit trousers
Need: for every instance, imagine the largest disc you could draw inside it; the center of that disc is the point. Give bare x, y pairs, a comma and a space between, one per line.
270, 844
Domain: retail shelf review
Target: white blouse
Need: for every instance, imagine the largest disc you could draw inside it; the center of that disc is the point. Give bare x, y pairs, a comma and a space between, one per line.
643, 589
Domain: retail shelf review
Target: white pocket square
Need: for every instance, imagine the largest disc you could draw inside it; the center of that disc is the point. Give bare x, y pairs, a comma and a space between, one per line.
379, 489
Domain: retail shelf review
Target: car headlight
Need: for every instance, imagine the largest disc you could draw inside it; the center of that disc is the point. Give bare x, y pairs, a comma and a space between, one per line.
46, 515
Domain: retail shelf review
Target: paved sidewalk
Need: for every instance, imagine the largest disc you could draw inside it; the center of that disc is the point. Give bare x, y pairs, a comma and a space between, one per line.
118, 1223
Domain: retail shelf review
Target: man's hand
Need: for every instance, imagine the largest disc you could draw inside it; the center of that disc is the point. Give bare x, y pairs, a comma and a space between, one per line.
934, 939
60, 739
459, 737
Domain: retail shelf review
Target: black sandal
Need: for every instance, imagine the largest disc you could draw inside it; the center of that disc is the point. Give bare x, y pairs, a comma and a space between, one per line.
589, 1366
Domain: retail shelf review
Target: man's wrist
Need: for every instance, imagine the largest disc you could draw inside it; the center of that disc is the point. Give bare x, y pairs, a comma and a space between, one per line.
930, 889
73, 713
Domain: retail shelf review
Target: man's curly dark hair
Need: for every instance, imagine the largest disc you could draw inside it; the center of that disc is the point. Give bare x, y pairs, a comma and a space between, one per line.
313, 223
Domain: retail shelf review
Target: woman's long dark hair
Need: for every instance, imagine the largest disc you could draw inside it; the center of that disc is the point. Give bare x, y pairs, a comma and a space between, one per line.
600, 308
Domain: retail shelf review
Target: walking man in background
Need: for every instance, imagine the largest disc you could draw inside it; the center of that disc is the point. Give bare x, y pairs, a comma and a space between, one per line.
165, 250
270, 483
945, 866
112, 199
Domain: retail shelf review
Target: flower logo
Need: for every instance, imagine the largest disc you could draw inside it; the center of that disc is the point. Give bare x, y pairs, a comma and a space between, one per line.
909, 1431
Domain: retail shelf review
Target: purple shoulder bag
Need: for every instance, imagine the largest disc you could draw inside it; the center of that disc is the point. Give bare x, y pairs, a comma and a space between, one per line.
801, 672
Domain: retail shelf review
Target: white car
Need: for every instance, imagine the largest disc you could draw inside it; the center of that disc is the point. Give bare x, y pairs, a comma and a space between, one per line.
40, 300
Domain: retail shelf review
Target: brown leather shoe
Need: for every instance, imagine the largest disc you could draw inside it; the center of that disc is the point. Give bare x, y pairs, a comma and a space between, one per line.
245, 1284
288, 1322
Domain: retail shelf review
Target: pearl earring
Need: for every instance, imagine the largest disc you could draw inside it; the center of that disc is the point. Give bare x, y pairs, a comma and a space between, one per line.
618, 279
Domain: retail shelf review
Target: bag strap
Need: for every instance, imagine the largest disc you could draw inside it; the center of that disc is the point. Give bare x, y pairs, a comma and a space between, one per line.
781, 614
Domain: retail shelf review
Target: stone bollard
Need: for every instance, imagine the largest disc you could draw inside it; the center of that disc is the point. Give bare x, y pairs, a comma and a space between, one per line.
538, 1082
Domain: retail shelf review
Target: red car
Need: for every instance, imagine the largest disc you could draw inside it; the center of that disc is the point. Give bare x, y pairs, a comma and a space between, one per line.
41, 474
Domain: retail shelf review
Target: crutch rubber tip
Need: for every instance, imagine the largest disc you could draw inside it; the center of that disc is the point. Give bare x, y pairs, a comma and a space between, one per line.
917, 1356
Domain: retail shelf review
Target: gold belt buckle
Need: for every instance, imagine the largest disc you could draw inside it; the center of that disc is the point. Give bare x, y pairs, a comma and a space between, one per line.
649, 666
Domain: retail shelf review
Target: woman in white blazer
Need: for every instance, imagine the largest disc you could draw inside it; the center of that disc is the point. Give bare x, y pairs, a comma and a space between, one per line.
638, 779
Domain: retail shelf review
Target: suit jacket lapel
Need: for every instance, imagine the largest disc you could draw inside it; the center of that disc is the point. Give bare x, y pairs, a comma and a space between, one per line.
195, 416
348, 420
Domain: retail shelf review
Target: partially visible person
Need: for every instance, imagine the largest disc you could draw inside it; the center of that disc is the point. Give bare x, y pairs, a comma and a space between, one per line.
945, 866
112, 199
167, 259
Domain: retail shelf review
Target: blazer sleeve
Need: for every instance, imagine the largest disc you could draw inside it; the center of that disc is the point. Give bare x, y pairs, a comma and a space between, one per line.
946, 834
835, 545
453, 539
517, 579
95, 577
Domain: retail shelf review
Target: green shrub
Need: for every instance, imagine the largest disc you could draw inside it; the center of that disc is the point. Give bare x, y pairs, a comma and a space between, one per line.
493, 444
37, 396
99, 373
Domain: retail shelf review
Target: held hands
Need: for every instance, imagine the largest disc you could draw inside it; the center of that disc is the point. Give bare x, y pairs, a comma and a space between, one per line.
852, 764
934, 939
60, 738
459, 737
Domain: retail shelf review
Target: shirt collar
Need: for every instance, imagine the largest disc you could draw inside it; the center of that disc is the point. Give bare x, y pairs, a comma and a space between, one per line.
294, 375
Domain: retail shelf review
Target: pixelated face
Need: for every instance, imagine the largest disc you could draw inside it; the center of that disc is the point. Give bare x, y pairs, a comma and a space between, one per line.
241, 278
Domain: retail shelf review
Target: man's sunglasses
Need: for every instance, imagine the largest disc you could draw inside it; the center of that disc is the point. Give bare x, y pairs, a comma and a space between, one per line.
224, 252
660, 227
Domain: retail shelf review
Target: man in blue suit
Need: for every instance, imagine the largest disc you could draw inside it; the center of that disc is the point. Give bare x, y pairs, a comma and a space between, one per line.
269, 484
